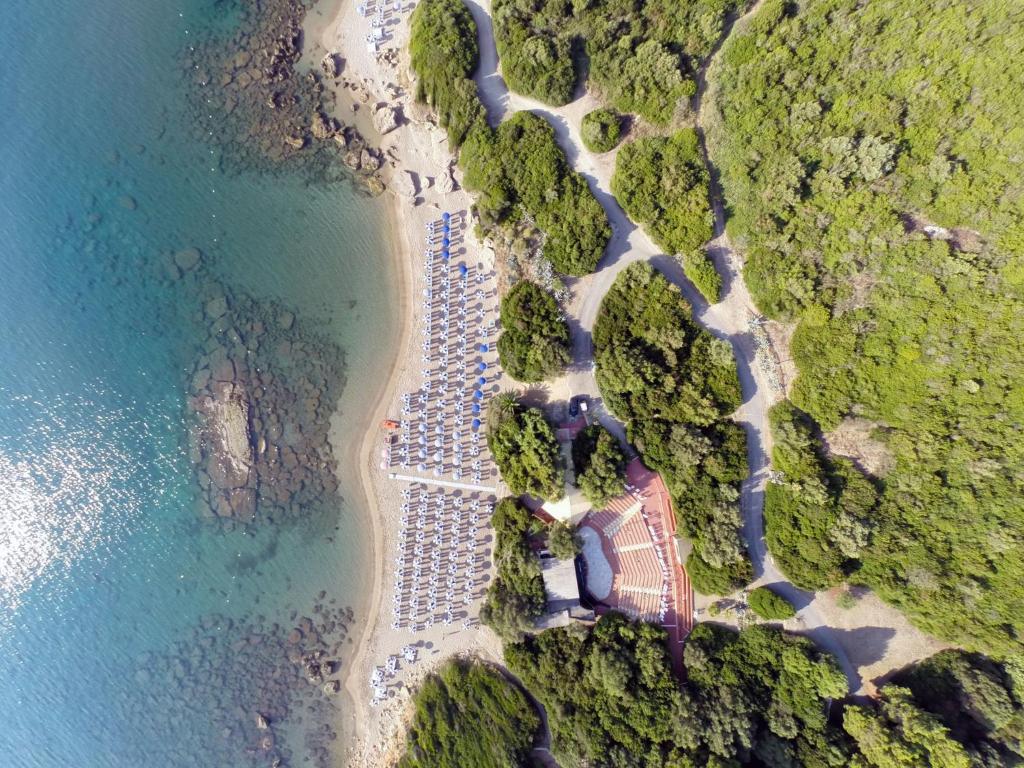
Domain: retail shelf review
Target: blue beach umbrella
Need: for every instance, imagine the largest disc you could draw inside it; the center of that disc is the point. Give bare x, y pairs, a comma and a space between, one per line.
476, 408
445, 242
445, 254
478, 395
476, 423
482, 348
445, 216
482, 367
445, 228
481, 381
463, 269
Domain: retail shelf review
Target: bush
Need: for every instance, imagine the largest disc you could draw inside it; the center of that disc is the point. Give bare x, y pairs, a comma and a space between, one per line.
702, 273
515, 599
663, 184
769, 605
721, 580
819, 517
637, 52
467, 714
563, 542
600, 465
534, 342
519, 168
444, 53
538, 65
600, 130
524, 448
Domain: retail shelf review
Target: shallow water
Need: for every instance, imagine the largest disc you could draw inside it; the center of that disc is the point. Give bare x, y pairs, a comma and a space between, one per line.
106, 571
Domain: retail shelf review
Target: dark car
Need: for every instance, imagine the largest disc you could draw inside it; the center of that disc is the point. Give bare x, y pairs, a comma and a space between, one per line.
577, 405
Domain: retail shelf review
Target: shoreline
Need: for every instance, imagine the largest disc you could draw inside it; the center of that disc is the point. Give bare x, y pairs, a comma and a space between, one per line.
400, 257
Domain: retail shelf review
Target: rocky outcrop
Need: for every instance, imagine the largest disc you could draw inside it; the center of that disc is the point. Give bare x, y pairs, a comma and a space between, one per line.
331, 65
446, 181
261, 398
385, 118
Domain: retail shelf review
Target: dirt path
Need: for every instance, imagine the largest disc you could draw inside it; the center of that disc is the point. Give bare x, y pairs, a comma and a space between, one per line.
729, 319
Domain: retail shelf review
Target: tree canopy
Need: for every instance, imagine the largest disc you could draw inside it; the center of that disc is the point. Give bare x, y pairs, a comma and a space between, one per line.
600, 130
639, 55
468, 714
662, 183
518, 169
675, 386
600, 465
516, 596
534, 341
770, 605
869, 155
444, 53
524, 448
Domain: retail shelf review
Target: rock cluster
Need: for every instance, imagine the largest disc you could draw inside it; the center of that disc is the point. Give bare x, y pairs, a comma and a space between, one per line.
261, 395
247, 95
265, 692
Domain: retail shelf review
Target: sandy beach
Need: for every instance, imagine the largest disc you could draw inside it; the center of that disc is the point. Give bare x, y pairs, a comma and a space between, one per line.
417, 164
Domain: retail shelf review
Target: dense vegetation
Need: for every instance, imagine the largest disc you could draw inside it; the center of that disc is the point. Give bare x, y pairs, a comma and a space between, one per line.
639, 55
769, 605
444, 53
516, 596
534, 341
612, 699
524, 448
467, 714
979, 700
662, 183
519, 169
674, 385
563, 542
599, 464
820, 514
600, 130
845, 128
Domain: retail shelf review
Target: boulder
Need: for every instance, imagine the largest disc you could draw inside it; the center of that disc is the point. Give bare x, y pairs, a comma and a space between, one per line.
216, 307
332, 686
331, 65
295, 142
261, 722
369, 161
385, 118
187, 258
404, 184
446, 181
323, 127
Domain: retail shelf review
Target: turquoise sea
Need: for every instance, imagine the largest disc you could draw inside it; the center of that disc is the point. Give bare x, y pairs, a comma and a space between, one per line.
131, 632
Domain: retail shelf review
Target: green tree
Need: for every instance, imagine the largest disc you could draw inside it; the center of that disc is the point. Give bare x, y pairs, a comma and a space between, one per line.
563, 542
769, 605
600, 130
468, 714
534, 341
515, 599
600, 465
524, 448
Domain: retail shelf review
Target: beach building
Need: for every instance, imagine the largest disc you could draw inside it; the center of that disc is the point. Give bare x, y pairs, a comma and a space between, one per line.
562, 594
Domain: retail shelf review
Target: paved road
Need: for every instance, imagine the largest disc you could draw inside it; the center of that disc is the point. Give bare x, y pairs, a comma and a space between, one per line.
728, 319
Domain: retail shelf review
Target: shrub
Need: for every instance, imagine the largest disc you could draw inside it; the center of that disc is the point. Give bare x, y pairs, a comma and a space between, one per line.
444, 53
702, 273
832, 162
768, 605
663, 184
563, 542
535, 64
524, 448
600, 465
534, 341
600, 130
468, 714
724, 580
516, 596
519, 168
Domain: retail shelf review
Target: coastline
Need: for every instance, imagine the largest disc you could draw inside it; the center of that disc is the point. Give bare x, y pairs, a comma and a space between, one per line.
417, 167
